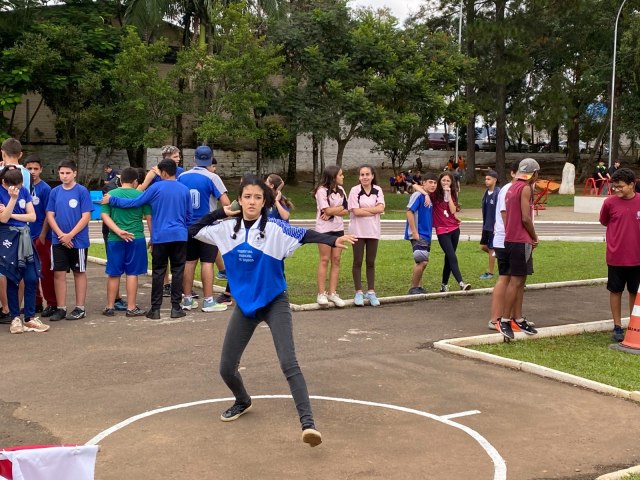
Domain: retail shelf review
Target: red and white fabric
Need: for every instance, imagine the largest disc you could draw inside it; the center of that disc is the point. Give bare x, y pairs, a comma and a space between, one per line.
47, 462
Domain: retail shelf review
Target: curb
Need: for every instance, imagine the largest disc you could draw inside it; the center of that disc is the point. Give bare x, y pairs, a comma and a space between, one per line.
457, 347
306, 307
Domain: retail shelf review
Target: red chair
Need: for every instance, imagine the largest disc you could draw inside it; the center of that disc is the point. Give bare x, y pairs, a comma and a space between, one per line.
590, 186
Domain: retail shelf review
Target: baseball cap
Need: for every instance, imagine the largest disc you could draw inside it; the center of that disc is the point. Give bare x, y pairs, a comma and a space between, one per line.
491, 173
527, 168
203, 156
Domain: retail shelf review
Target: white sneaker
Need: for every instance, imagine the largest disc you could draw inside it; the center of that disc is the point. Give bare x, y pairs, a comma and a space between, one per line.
35, 325
335, 298
16, 326
321, 299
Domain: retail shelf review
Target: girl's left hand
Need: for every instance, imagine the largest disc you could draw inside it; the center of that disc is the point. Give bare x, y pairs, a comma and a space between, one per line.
13, 191
278, 195
343, 240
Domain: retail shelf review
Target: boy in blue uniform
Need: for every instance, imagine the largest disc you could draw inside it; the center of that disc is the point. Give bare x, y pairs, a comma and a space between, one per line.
68, 213
419, 227
171, 213
489, 201
200, 181
41, 236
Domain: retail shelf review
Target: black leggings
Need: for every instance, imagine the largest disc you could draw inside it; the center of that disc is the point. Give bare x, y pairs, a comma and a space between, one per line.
358, 253
277, 315
449, 243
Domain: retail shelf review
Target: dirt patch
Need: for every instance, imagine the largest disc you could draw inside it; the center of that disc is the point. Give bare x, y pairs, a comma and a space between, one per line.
16, 431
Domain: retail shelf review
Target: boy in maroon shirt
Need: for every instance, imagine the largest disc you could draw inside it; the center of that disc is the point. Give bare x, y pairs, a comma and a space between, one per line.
620, 213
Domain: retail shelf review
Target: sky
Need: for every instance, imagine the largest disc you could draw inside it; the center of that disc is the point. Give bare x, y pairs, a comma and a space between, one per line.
400, 8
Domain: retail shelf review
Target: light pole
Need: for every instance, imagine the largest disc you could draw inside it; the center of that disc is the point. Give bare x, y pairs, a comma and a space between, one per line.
459, 50
613, 82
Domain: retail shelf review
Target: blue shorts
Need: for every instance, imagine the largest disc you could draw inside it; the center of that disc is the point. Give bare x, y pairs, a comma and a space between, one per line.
129, 258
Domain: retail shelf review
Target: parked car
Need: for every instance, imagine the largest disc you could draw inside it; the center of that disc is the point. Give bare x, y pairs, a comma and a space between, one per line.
488, 143
441, 141
564, 145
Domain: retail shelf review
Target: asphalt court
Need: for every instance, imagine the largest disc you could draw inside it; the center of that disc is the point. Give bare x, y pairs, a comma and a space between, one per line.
81, 378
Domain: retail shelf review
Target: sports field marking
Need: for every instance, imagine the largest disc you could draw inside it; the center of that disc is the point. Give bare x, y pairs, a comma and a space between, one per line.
461, 414
499, 465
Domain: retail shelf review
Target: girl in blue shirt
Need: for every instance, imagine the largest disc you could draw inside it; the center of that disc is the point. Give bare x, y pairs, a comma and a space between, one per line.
254, 248
282, 206
19, 261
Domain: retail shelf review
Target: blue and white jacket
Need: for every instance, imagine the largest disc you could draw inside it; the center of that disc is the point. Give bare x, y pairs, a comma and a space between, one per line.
255, 265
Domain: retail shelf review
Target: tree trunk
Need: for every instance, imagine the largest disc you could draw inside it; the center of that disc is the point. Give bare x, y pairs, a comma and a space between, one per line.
573, 140
314, 154
501, 93
342, 144
554, 144
293, 158
136, 156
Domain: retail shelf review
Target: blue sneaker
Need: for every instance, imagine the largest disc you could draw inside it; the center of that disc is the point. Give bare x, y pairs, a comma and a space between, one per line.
373, 300
213, 306
189, 303
358, 300
486, 276
221, 275
119, 305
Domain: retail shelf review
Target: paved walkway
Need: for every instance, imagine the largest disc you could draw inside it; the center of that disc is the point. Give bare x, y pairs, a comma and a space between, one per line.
468, 419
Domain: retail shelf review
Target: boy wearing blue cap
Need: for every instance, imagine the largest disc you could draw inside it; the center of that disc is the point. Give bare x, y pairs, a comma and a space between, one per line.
419, 227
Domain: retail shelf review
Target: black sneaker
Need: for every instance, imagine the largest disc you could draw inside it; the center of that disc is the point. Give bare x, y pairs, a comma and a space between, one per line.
5, 318
166, 290
59, 314
618, 334
39, 308
76, 314
153, 314
109, 312
48, 311
505, 329
136, 312
194, 294
527, 327
177, 313
235, 412
416, 291
222, 298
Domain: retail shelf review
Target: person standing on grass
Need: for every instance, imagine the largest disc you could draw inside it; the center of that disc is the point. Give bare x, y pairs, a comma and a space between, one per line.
41, 236
366, 204
520, 239
282, 206
419, 227
331, 207
204, 196
447, 225
126, 244
497, 295
620, 213
254, 248
19, 261
171, 212
489, 220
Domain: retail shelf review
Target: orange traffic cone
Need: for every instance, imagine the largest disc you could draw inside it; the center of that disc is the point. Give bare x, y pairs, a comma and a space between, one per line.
631, 342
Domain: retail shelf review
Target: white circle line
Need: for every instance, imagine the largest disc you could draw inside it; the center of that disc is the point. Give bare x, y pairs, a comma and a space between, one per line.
500, 467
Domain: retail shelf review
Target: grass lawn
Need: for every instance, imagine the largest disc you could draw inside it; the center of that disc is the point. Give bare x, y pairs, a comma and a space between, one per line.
589, 357
470, 197
554, 261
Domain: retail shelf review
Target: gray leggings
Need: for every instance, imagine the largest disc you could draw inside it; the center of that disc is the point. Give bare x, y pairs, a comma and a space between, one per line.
277, 315
371, 245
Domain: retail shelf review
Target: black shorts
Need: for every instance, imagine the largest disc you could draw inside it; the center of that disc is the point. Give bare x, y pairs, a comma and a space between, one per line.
487, 238
65, 259
197, 250
337, 234
503, 261
520, 257
619, 277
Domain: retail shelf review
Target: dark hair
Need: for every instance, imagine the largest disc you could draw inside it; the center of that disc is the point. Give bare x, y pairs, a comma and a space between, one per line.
11, 175
276, 181
169, 167
12, 147
68, 164
33, 159
329, 182
142, 173
249, 179
128, 175
625, 175
373, 173
439, 193
514, 166
430, 176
